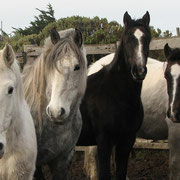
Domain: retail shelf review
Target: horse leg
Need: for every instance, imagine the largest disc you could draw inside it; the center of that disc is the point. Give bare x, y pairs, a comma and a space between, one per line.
123, 150
104, 152
59, 167
39, 174
174, 150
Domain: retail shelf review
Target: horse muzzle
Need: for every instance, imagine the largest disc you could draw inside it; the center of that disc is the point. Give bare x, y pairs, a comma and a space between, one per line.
58, 117
139, 73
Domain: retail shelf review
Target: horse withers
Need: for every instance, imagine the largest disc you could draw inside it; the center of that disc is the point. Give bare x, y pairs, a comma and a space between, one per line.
54, 85
18, 148
111, 109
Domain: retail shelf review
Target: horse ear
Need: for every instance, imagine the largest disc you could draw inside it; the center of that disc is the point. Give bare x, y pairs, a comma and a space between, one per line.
8, 55
146, 18
127, 19
167, 50
78, 39
55, 37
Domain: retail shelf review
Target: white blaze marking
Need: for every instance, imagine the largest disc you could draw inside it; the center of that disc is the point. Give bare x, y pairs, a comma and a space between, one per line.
138, 34
175, 73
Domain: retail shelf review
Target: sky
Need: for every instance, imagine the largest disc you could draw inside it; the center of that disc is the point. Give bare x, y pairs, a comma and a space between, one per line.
165, 14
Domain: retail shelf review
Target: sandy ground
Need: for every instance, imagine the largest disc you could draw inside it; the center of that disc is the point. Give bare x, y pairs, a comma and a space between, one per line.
143, 165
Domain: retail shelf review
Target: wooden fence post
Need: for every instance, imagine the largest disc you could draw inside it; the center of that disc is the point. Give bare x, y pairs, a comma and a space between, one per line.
177, 31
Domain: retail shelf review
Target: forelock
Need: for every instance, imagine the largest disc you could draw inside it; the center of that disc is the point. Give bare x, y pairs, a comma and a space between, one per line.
65, 47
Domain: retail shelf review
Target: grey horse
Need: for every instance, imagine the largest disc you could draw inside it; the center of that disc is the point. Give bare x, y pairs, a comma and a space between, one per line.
54, 85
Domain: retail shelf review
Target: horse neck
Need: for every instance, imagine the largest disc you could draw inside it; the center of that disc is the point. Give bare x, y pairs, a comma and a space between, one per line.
120, 71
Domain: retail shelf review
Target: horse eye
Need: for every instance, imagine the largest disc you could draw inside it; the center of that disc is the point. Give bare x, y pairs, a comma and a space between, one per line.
77, 67
10, 90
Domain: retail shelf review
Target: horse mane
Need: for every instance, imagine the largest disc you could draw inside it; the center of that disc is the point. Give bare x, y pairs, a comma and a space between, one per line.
34, 83
34, 74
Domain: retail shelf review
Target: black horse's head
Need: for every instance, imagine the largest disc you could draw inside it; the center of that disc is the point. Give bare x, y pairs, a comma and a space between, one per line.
172, 75
136, 40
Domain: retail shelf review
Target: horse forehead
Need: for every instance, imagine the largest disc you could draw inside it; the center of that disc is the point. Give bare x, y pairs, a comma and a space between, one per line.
70, 60
6, 73
175, 70
8, 79
138, 34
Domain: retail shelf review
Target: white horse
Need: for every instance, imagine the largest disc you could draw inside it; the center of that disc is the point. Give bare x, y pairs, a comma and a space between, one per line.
154, 96
18, 148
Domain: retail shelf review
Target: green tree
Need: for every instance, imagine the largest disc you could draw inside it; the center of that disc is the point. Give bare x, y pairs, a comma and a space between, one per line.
95, 30
156, 33
167, 33
40, 22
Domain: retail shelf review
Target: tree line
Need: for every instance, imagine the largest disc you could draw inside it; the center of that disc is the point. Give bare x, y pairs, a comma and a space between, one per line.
95, 30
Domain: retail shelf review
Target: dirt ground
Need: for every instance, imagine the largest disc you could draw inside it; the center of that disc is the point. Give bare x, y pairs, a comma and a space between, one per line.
144, 164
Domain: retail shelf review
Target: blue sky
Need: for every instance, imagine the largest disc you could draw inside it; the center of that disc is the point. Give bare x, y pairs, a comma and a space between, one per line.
164, 14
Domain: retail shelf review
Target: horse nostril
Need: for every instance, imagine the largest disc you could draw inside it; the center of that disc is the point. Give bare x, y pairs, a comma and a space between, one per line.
1, 146
139, 73
62, 112
142, 71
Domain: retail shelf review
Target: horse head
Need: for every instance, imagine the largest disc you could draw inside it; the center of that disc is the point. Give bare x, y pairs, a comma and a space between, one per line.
66, 71
8, 94
136, 42
172, 75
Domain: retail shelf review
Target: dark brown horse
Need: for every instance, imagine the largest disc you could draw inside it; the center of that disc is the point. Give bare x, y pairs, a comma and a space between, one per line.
111, 110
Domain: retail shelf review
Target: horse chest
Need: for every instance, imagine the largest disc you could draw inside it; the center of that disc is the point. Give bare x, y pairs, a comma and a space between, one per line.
11, 168
57, 139
125, 121
117, 118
